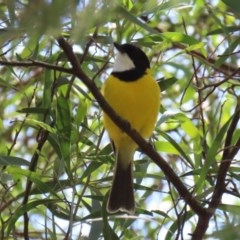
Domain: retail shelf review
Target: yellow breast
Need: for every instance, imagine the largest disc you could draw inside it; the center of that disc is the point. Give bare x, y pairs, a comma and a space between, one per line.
137, 102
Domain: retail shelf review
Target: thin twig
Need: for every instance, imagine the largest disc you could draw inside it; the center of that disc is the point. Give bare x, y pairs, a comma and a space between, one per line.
34, 63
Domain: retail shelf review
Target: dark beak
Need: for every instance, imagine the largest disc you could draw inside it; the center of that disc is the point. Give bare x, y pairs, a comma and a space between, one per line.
118, 47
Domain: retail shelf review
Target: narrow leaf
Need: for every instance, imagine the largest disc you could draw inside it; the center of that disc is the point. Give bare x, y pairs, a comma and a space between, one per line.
25, 208
9, 160
211, 155
233, 4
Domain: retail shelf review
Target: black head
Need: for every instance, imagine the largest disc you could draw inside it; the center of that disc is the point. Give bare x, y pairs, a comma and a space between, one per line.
131, 62
138, 57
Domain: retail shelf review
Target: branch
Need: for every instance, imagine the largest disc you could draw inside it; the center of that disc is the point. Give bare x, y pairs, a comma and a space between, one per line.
226, 161
125, 126
34, 63
219, 189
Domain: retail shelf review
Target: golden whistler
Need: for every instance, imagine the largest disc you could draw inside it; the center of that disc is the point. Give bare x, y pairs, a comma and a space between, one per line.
135, 95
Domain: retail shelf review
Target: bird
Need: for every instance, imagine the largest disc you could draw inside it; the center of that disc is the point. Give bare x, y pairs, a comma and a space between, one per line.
134, 95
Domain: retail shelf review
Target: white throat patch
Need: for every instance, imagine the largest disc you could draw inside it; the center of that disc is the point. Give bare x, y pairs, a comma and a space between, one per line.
123, 63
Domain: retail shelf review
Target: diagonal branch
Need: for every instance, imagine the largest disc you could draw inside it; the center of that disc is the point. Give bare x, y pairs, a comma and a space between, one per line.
125, 126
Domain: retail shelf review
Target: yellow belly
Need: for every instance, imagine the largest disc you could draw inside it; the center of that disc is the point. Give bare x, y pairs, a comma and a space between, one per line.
137, 102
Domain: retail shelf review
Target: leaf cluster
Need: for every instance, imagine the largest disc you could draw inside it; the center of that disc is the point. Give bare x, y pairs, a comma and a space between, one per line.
56, 160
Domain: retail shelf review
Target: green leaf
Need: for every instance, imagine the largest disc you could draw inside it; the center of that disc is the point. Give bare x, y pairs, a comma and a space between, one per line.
108, 232
5, 178
38, 124
188, 125
227, 53
166, 147
229, 208
130, 17
6, 84
63, 124
233, 4
166, 116
175, 226
26, 208
161, 213
91, 168
34, 177
47, 92
236, 136
53, 140
96, 226
11, 5
9, 160
189, 94
216, 145
166, 83
228, 231
211, 156
164, 6
33, 110
56, 186
175, 147
82, 111
61, 212
180, 37
226, 29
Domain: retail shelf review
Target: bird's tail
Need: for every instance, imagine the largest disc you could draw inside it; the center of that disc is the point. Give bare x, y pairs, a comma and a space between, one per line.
121, 195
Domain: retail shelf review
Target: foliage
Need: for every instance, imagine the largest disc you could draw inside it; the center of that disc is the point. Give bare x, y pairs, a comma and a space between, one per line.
56, 160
